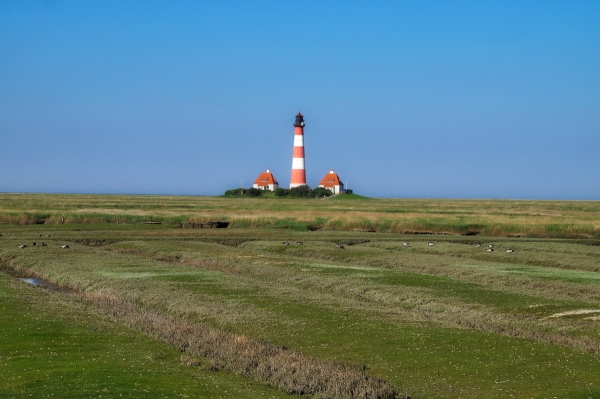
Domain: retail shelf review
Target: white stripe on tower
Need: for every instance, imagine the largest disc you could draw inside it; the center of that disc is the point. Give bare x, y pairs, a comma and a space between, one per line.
298, 171
298, 163
299, 140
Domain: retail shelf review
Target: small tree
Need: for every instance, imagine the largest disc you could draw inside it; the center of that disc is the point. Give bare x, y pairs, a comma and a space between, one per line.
321, 192
254, 192
235, 192
300, 191
282, 192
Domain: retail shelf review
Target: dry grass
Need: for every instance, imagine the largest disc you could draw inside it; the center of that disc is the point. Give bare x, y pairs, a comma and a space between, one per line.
488, 217
290, 371
242, 289
401, 303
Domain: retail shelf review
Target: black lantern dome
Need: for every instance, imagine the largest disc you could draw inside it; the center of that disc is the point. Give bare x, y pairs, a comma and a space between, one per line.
299, 120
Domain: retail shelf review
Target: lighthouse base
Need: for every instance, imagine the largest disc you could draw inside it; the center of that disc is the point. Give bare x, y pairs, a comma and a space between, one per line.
292, 185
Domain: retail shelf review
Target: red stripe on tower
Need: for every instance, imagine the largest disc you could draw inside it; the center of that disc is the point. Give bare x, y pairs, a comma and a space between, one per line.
298, 171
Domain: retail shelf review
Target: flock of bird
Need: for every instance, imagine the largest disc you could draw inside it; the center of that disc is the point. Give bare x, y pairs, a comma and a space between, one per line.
65, 246
22, 246
490, 247
339, 245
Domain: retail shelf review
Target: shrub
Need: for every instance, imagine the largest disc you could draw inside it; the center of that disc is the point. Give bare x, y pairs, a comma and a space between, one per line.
300, 191
282, 192
235, 191
321, 192
254, 192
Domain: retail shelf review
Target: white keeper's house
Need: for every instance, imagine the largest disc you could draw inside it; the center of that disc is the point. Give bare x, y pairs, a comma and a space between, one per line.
266, 181
333, 182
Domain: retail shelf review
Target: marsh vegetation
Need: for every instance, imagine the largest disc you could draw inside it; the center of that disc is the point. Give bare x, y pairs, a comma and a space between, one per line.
235, 307
543, 219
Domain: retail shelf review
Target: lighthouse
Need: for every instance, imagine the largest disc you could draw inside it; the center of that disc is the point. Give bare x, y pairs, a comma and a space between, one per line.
298, 171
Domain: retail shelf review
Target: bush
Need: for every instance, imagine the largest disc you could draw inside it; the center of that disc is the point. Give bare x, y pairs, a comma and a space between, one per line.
254, 192
321, 192
282, 192
300, 191
235, 191
238, 192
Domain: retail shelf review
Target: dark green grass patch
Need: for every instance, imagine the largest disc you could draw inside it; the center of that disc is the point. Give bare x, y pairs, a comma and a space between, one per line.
49, 349
426, 361
349, 197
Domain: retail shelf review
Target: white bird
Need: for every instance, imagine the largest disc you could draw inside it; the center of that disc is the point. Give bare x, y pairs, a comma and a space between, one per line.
299, 243
478, 245
286, 243
340, 246
47, 235
431, 243
510, 250
490, 245
64, 246
22, 246
489, 249
405, 244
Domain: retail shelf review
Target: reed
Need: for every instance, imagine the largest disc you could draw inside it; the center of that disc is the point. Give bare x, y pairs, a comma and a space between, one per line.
290, 371
52, 346
545, 219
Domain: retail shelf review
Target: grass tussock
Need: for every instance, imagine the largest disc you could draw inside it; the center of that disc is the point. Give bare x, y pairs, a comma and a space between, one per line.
543, 219
24, 218
289, 370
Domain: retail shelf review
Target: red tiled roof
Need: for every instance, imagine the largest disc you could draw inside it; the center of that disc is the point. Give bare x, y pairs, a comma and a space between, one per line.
330, 180
265, 178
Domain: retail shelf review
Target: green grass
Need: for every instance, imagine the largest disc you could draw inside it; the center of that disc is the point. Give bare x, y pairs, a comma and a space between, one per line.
545, 219
53, 349
350, 197
449, 320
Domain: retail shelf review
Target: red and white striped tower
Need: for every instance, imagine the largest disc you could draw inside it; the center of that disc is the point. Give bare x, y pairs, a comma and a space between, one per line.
298, 171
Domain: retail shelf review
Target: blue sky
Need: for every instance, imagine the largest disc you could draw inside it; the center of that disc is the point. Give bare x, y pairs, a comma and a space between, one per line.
450, 99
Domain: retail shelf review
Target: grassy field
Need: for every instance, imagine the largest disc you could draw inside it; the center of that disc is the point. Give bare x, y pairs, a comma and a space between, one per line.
544, 219
55, 348
157, 310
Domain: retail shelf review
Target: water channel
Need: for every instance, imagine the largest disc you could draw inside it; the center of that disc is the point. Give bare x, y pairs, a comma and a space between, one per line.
39, 282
